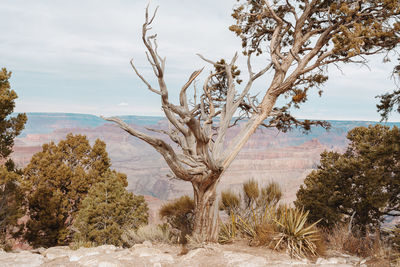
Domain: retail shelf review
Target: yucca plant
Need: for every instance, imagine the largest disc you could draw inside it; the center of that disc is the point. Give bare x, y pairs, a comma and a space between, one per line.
228, 231
298, 237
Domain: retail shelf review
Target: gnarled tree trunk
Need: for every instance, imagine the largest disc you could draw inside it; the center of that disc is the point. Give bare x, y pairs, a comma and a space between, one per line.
206, 219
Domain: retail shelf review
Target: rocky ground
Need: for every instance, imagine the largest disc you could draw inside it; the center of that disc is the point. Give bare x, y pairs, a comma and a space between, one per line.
147, 254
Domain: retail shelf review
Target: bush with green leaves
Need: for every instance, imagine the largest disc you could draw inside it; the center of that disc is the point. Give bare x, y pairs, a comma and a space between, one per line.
11, 210
56, 181
107, 210
363, 182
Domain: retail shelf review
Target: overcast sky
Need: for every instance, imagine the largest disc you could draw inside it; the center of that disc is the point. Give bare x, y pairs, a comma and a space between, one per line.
73, 56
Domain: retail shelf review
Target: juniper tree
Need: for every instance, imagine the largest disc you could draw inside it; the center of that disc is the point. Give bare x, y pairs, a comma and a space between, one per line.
363, 182
10, 127
390, 101
298, 39
10, 193
10, 205
107, 211
56, 181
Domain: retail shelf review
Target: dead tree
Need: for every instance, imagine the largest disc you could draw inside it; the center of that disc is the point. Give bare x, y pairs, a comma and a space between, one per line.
300, 39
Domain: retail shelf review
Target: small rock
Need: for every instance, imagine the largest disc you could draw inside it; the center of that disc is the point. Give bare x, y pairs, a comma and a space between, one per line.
83, 252
243, 259
107, 249
145, 252
165, 258
192, 253
56, 252
21, 259
147, 244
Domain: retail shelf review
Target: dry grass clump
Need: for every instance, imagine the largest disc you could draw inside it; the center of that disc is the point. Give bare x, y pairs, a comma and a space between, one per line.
152, 233
230, 202
368, 245
251, 192
81, 244
255, 215
179, 216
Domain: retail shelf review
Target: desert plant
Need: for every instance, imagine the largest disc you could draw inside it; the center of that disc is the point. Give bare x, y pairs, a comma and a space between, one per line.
56, 181
251, 192
152, 233
396, 237
11, 206
362, 182
179, 215
10, 126
294, 234
230, 202
252, 213
107, 210
77, 244
252, 198
228, 231
270, 194
354, 242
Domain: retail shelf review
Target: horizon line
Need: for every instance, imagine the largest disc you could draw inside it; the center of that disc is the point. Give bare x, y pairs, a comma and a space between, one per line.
162, 116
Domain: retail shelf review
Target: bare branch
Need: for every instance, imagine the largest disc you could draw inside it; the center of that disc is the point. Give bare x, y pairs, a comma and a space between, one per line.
144, 80
163, 148
182, 95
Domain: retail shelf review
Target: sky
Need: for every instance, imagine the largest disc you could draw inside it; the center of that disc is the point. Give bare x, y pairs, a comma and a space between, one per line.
73, 57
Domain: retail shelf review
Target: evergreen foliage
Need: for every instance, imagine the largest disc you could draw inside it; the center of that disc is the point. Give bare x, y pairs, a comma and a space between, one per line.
107, 210
56, 180
390, 101
10, 127
10, 192
10, 205
363, 182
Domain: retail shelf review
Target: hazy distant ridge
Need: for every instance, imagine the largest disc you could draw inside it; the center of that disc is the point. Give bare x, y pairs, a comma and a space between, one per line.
45, 123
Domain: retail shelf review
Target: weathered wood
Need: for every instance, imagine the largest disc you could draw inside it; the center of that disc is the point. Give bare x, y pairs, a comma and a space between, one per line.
202, 153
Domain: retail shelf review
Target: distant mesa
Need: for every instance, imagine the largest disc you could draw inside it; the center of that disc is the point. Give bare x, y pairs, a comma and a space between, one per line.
269, 155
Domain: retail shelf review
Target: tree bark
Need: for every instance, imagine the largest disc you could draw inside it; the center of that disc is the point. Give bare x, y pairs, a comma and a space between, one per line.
206, 221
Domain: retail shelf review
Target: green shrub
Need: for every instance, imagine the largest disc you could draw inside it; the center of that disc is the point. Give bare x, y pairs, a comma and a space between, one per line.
107, 211
11, 206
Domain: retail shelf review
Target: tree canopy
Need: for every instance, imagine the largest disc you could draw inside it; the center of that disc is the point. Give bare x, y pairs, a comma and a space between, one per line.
10, 205
56, 180
10, 192
390, 101
363, 182
107, 211
10, 127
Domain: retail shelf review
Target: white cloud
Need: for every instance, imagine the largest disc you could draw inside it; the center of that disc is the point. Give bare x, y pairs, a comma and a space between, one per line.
123, 104
84, 47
